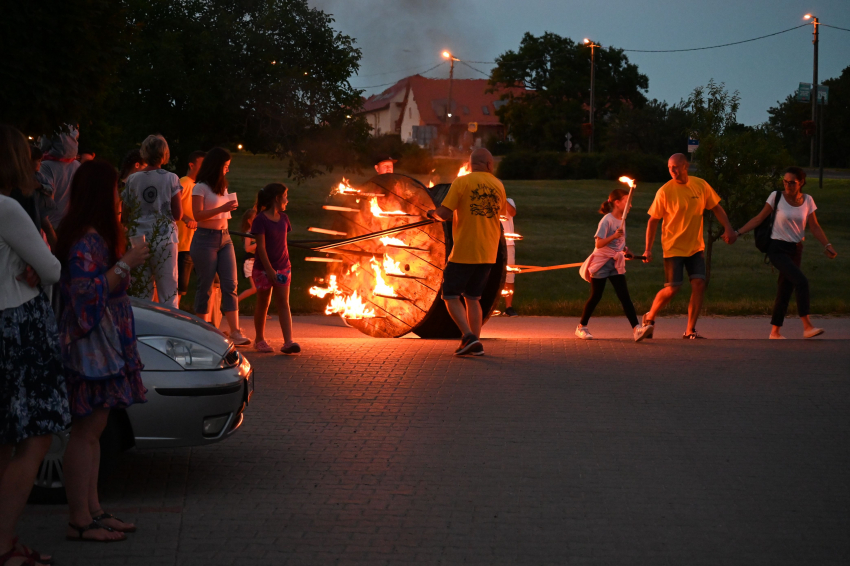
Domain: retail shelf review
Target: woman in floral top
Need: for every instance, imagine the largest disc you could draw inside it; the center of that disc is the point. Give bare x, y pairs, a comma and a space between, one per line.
97, 338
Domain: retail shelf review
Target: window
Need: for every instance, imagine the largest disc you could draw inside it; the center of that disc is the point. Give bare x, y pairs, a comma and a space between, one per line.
499, 103
466, 110
485, 110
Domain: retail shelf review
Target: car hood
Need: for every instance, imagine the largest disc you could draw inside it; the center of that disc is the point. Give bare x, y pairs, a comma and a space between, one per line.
153, 319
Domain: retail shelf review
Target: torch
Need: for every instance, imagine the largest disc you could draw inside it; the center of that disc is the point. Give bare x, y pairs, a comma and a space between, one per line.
631, 183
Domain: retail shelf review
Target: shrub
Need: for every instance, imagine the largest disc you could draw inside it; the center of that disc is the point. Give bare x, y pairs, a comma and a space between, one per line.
557, 165
518, 165
416, 160
636, 165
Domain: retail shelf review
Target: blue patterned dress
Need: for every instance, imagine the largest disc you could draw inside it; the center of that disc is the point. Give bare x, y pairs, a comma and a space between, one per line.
86, 299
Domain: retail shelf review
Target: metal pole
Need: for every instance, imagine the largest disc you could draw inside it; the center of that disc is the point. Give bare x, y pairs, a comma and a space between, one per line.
451, 78
814, 91
592, 77
821, 110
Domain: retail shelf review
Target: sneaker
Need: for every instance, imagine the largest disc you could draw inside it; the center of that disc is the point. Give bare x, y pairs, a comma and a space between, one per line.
583, 333
239, 339
466, 344
693, 336
291, 348
639, 332
511, 312
263, 346
649, 324
811, 333
477, 349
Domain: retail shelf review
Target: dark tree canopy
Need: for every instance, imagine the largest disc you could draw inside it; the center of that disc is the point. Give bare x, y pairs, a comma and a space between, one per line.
557, 71
656, 128
786, 119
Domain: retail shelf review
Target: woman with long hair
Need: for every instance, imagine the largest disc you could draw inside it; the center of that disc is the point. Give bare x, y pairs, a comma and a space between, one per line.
794, 211
212, 249
98, 339
33, 398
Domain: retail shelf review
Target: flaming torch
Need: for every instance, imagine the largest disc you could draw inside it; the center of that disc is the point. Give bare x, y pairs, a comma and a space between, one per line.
465, 170
632, 184
376, 211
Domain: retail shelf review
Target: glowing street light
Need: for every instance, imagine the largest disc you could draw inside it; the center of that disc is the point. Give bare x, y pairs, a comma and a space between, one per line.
593, 47
239, 147
815, 24
452, 59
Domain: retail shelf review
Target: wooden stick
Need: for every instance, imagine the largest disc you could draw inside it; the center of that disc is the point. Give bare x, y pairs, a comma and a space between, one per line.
340, 208
326, 231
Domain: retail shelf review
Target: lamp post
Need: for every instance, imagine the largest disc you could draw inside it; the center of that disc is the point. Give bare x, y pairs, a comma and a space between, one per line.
815, 24
593, 47
452, 60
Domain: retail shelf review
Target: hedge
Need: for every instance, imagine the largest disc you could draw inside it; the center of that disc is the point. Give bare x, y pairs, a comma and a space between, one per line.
558, 165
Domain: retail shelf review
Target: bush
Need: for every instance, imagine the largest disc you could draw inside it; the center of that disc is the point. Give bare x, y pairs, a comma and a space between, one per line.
416, 160
558, 165
498, 146
636, 165
518, 165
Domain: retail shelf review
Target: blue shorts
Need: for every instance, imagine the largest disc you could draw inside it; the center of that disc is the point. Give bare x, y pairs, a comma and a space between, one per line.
674, 269
465, 279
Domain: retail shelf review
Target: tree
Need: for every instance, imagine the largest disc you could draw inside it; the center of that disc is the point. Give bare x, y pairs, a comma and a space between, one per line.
656, 128
786, 120
742, 164
556, 70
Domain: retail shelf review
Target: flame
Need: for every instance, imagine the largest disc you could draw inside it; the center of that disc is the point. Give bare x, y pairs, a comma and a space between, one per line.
322, 292
350, 307
376, 210
465, 170
507, 292
353, 269
514, 269
381, 288
391, 267
389, 241
512, 236
344, 188
628, 181
430, 184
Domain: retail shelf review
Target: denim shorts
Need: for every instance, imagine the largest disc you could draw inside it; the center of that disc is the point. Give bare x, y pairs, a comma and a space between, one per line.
674, 269
465, 279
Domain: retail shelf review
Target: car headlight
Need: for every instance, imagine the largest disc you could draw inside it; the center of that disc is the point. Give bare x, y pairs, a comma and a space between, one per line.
188, 354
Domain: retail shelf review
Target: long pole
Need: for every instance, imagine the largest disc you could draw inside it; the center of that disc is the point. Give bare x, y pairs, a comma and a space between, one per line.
451, 79
814, 91
592, 86
821, 110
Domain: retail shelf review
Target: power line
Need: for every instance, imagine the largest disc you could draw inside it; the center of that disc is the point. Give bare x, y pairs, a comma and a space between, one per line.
474, 69
833, 27
394, 82
391, 72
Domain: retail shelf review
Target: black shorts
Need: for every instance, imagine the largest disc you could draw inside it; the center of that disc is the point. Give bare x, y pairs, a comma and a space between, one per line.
184, 270
465, 279
674, 266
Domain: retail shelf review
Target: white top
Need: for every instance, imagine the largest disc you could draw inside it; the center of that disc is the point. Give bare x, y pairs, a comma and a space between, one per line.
790, 222
153, 191
607, 226
212, 200
508, 225
22, 245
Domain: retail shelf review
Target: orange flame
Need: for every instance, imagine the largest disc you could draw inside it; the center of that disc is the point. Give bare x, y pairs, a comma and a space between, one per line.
391, 267
465, 170
512, 236
344, 188
376, 210
514, 269
381, 287
322, 292
350, 307
628, 181
430, 184
507, 292
390, 241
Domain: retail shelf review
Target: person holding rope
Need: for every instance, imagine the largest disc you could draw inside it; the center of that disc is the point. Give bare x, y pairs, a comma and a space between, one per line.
794, 210
474, 202
680, 203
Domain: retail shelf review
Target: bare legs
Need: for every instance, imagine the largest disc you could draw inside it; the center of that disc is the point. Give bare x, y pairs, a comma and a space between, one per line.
509, 299
82, 460
467, 318
232, 320
666, 294
247, 292
281, 299
16, 477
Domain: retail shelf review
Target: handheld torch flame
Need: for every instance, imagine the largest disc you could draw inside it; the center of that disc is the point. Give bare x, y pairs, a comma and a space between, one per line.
376, 210
465, 170
381, 288
350, 307
507, 292
322, 292
512, 236
430, 184
628, 181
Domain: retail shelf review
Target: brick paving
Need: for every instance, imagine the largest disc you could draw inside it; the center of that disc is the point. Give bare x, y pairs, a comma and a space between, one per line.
547, 450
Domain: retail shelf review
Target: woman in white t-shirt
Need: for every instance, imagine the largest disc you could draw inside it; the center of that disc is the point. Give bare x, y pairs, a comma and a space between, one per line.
212, 249
794, 212
156, 192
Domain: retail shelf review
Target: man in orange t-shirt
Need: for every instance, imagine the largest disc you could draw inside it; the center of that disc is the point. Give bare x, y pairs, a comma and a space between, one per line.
680, 203
187, 225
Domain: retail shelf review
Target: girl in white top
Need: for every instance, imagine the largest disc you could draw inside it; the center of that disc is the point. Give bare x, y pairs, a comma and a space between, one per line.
794, 211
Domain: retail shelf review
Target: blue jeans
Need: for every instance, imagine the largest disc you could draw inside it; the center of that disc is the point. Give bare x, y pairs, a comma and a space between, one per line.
212, 253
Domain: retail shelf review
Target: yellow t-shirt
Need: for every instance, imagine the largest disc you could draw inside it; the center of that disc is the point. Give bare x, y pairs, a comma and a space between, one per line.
680, 207
477, 199
184, 235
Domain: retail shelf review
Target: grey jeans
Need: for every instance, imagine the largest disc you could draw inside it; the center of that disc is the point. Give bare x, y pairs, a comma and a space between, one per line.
212, 253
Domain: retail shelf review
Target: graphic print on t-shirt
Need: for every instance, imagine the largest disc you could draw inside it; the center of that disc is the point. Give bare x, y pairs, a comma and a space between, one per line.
484, 201
149, 194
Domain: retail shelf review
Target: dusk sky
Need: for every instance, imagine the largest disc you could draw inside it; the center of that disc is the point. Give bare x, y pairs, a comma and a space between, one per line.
403, 37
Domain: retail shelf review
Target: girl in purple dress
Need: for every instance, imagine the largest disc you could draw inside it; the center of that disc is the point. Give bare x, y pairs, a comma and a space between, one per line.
97, 338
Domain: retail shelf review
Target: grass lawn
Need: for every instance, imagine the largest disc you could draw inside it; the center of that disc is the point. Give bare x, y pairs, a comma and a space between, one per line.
557, 220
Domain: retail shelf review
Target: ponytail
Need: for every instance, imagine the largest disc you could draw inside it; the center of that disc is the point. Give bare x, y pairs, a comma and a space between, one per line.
608, 205
268, 194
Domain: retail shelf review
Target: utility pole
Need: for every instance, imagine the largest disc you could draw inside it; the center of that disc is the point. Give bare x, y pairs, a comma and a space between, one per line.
593, 47
452, 60
815, 24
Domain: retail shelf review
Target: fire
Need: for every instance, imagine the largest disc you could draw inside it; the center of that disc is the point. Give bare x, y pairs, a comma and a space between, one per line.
512, 236
430, 184
512, 269
507, 292
376, 210
465, 170
353, 269
381, 288
391, 267
344, 188
322, 292
628, 181
350, 307
389, 241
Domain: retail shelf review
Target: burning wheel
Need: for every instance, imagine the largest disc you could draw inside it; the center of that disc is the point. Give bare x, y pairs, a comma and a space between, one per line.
391, 286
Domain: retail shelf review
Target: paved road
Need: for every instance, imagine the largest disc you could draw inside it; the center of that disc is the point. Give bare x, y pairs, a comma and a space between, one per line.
547, 450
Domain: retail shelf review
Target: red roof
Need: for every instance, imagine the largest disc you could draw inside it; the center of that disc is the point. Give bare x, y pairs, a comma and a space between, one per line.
469, 99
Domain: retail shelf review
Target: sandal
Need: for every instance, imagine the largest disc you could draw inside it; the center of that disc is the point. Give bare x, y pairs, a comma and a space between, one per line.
103, 516
28, 552
15, 553
93, 526
693, 336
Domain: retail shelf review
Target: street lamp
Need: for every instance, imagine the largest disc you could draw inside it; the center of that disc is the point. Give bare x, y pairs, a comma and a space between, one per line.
815, 24
452, 60
593, 47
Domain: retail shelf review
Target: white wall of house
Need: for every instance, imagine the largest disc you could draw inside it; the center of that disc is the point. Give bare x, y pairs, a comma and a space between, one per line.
384, 121
411, 118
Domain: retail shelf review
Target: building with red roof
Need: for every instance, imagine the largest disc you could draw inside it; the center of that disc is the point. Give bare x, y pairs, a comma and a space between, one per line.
417, 109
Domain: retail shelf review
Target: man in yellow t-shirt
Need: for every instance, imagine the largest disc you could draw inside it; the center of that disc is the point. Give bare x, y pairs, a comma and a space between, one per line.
680, 204
187, 225
474, 203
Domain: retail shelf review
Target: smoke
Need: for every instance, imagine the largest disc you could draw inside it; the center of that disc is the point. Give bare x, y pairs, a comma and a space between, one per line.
408, 36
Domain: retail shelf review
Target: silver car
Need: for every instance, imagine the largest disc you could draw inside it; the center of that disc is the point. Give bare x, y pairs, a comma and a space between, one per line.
198, 389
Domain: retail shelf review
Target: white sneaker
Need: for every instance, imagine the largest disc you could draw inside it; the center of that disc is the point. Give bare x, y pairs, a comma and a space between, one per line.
239, 339
640, 331
583, 333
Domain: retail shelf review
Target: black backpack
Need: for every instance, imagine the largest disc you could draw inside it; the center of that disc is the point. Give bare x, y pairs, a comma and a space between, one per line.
764, 230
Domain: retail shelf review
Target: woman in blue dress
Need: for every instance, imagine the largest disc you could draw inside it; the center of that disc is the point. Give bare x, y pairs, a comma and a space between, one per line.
97, 338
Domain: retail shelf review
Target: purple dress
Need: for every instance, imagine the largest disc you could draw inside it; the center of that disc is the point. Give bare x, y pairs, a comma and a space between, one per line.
86, 299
